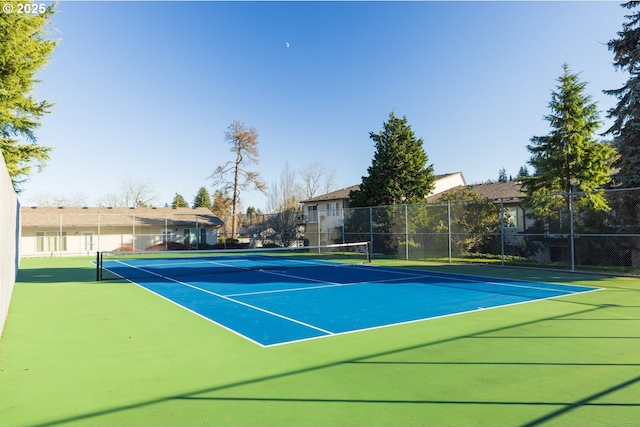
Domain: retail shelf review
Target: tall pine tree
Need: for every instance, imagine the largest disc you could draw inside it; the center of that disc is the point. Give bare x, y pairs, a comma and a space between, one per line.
569, 158
25, 47
626, 114
179, 201
202, 199
398, 174
626, 130
399, 171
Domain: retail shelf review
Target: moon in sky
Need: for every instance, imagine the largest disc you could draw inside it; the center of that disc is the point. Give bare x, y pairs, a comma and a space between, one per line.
286, 44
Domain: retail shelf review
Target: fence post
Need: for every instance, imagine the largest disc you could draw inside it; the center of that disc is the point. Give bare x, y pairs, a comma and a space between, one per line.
449, 227
371, 226
571, 231
60, 238
318, 219
99, 232
342, 222
502, 230
406, 232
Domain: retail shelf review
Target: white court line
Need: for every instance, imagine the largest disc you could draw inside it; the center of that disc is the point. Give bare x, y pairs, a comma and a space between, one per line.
229, 299
424, 319
412, 274
328, 333
334, 284
329, 284
416, 275
305, 288
488, 281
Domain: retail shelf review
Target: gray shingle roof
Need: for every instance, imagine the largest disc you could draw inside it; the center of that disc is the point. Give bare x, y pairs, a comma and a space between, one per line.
343, 193
510, 190
115, 217
499, 190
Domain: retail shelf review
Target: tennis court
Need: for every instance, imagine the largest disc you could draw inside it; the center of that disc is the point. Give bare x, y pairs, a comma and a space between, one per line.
78, 352
274, 297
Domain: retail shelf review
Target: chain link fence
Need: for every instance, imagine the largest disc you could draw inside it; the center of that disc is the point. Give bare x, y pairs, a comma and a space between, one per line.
283, 229
555, 231
68, 231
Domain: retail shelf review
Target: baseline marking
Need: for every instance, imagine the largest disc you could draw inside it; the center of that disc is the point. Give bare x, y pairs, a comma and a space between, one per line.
489, 281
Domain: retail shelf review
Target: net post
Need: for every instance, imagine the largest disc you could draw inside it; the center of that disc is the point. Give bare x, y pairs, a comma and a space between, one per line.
98, 266
368, 249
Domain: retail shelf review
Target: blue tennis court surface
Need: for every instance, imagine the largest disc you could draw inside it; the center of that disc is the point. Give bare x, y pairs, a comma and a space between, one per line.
299, 300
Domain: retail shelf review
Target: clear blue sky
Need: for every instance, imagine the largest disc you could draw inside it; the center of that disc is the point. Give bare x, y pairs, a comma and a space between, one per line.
146, 90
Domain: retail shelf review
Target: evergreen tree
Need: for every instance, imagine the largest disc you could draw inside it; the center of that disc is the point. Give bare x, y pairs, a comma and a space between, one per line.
202, 199
502, 175
179, 202
626, 114
24, 50
523, 172
398, 174
569, 158
626, 132
399, 171
252, 211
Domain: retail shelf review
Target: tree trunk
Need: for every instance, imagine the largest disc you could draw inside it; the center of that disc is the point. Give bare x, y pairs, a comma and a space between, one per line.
234, 207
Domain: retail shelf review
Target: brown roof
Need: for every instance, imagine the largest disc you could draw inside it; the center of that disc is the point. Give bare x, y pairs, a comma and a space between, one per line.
499, 190
334, 195
116, 217
343, 193
510, 191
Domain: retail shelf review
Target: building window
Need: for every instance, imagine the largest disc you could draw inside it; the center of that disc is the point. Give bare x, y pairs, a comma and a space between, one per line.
87, 241
194, 236
167, 235
332, 209
51, 241
312, 213
513, 217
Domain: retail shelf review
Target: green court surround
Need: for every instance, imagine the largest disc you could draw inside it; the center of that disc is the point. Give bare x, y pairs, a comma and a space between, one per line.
76, 352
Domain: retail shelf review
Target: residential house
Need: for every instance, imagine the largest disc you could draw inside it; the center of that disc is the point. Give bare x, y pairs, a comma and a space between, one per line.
324, 214
50, 231
508, 194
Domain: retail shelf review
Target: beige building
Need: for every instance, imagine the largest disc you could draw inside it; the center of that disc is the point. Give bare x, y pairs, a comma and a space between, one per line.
48, 231
325, 213
509, 194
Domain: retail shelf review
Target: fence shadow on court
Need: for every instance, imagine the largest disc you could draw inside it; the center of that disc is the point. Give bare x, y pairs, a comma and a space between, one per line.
49, 276
406, 359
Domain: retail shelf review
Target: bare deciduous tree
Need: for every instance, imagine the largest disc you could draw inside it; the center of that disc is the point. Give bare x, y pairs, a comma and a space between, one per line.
244, 144
51, 199
133, 193
284, 204
316, 178
285, 193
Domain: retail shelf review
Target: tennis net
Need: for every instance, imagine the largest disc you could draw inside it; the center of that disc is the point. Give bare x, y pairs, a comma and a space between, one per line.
111, 265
